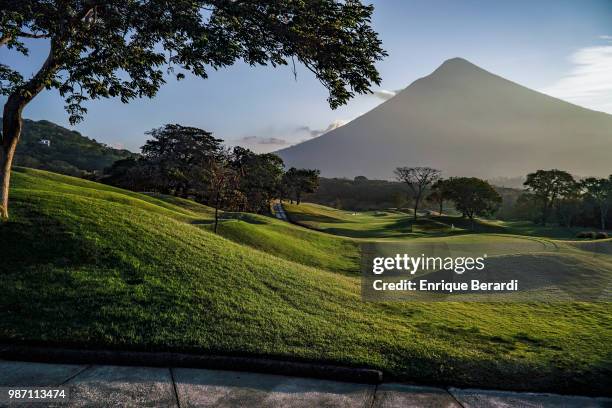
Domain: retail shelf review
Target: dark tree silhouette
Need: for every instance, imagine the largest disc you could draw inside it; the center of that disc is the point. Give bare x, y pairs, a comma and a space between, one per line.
299, 181
547, 186
439, 193
418, 179
473, 196
600, 191
176, 151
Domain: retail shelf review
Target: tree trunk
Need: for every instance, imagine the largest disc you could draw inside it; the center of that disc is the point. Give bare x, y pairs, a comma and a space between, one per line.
441, 205
603, 217
216, 212
416, 207
544, 214
12, 123
11, 131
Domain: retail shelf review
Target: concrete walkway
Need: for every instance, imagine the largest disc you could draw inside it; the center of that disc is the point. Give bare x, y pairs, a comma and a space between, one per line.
121, 386
279, 211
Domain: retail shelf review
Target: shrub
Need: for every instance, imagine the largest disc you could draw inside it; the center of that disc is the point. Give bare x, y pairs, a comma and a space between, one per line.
586, 234
601, 235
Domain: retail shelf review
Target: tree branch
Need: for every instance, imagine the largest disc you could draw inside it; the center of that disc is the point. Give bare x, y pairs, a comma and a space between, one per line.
31, 35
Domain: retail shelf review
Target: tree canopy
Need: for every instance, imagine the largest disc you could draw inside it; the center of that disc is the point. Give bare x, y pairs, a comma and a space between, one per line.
418, 179
473, 196
128, 49
549, 185
125, 49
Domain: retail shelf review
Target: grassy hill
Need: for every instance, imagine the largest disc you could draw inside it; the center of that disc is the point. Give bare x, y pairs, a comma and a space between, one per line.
69, 152
89, 265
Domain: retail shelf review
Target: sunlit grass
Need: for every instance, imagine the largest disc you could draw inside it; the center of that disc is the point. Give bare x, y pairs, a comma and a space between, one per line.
88, 265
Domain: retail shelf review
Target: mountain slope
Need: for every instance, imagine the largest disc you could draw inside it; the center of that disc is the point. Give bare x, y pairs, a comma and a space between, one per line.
464, 121
69, 152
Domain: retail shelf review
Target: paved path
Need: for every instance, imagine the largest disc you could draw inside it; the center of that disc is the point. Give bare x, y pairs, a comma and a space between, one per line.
120, 386
279, 211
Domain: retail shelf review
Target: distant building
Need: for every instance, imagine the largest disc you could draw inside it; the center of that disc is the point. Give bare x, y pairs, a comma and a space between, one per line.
45, 142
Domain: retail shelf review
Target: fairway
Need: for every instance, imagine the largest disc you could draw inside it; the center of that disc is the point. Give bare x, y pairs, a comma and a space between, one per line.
87, 265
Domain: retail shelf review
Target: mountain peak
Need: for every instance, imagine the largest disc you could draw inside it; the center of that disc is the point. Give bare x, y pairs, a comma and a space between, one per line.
457, 65
463, 120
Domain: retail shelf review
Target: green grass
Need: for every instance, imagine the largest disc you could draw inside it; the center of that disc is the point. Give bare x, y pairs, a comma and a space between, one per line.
394, 224
87, 265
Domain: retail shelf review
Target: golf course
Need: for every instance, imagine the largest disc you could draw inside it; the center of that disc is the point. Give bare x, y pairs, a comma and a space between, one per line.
87, 265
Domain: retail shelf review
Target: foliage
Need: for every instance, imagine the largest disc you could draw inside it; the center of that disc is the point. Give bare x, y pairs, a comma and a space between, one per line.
126, 49
260, 176
418, 180
299, 181
548, 186
473, 196
600, 192
438, 194
69, 152
123, 49
179, 153
190, 163
360, 194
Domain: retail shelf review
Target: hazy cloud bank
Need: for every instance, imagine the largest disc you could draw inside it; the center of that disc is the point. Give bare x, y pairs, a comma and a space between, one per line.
589, 82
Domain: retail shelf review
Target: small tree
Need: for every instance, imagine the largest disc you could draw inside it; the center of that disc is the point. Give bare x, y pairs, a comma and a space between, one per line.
417, 179
301, 181
308, 182
473, 197
439, 193
568, 205
223, 181
547, 186
127, 49
600, 191
260, 176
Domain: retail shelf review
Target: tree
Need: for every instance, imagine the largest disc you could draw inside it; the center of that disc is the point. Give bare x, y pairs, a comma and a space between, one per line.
439, 193
224, 180
131, 173
301, 181
600, 191
177, 151
260, 177
547, 186
473, 196
128, 49
418, 179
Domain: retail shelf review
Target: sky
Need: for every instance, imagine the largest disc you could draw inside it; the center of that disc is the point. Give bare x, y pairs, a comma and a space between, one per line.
559, 47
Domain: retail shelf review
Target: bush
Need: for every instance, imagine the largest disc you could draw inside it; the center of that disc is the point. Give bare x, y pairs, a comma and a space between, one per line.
601, 235
586, 234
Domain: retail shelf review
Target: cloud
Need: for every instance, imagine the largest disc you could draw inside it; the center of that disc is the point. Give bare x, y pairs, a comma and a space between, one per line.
605, 37
384, 94
318, 132
263, 140
589, 82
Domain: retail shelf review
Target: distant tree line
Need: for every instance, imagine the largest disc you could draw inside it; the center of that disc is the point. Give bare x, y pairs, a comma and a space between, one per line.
548, 196
557, 194
189, 162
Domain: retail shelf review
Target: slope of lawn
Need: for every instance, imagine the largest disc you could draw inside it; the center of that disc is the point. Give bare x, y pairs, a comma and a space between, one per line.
368, 224
265, 233
87, 265
393, 224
